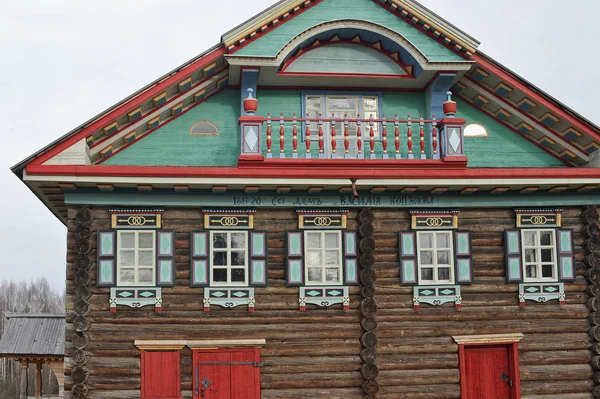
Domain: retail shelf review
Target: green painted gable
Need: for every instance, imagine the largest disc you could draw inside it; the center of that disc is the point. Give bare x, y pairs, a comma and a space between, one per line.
503, 148
332, 10
172, 144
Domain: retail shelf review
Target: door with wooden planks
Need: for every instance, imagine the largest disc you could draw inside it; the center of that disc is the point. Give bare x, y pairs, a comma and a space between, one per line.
227, 374
489, 372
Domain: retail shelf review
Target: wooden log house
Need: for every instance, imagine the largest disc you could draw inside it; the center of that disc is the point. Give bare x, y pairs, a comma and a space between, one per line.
341, 199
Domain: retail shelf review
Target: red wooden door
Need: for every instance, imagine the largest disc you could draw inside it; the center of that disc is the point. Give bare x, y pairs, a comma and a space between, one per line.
227, 374
487, 373
160, 377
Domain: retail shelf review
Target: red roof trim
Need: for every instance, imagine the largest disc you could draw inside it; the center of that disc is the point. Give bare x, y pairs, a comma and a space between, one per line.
129, 105
532, 94
369, 170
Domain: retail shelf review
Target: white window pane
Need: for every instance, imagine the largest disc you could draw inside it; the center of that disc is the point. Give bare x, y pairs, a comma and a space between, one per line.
370, 104
220, 240
444, 273
426, 257
127, 258
427, 274
128, 240
332, 258
313, 258
313, 240
530, 238
145, 275
443, 240
127, 276
443, 257
548, 271
344, 103
238, 258
547, 254
546, 238
531, 271
530, 255
313, 103
146, 258
220, 275
332, 240
146, 240
219, 258
238, 275
332, 275
426, 240
314, 274
238, 240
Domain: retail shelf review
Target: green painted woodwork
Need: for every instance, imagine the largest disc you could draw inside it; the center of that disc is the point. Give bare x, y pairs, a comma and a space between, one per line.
166, 242
295, 270
172, 144
514, 268
106, 272
409, 270
503, 148
329, 199
513, 242
345, 58
295, 245
351, 270
331, 10
258, 245
565, 241
200, 245
107, 246
166, 270
464, 269
258, 271
350, 244
408, 245
462, 244
200, 272
566, 267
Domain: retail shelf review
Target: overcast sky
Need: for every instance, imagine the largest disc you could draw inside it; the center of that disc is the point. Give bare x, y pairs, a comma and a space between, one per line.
64, 61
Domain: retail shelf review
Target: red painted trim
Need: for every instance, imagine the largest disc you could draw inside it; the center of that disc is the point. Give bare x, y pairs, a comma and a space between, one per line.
533, 95
418, 27
340, 88
506, 125
344, 75
554, 132
143, 375
162, 107
273, 27
370, 169
354, 163
149, 132
513, 359
134, 102
307, 49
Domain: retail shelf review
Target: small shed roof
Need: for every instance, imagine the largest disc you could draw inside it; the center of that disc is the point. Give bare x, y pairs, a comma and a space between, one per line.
33, 335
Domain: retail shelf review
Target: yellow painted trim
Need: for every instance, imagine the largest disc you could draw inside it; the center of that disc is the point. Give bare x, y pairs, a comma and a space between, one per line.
455, 221
558, 219
159, 220
519, 220
301, 221
204, 134
173, 345
114, 221
206, 221
413, 222
251, 221
487, 339
344, 220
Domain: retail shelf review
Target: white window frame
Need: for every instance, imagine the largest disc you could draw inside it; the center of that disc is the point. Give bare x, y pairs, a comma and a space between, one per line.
326, 111
435, 265
136, 265
538, 249
323, 249
229, 283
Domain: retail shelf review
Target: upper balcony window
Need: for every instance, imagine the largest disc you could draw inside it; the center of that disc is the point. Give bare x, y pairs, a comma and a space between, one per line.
340, 106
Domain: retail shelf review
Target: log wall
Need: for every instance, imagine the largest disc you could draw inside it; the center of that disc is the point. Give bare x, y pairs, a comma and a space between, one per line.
316, 353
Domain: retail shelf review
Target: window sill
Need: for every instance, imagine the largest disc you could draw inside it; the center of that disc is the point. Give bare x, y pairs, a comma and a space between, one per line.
135, 297
229, 297
324, 296
541, 292
436, 295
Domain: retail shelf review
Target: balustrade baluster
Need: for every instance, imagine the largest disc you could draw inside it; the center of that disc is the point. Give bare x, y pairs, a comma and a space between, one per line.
269, 141
307, 137
397, 137
434, 142
359, 142
333, 142
409, 139
295, 137
346, 137
281, 136
422, 137
321, 149
372, 138
384, 137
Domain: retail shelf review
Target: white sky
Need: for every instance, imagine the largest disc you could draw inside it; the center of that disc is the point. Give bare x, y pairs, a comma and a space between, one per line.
64, 61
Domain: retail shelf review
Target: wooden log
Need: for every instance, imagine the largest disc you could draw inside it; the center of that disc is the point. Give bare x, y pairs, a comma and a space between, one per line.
595, 362
80, 391
369, 371
367, 276
368, 340
366, 261
367, 291
592, 261
82, 246
79, 357
591, 230
592, 276
592, 245
84, 216
368, 307
81, 324
80, 374
82, 277
82, 262
368, 355
367, 245
594, 318
368, 323
80, 340
594, 304
366, 216
366, 230
370, 387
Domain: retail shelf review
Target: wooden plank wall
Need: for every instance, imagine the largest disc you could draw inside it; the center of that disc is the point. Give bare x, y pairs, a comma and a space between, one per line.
315, 354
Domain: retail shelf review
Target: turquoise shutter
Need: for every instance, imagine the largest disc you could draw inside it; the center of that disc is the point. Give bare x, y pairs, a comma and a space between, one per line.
106, 251
514, 257
295, 259
259, 272
408, 258
165, 258
463, 257
566, 255
350, 243
199, 253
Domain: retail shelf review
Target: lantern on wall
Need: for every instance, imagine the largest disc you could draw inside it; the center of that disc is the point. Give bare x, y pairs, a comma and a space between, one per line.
451, 129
